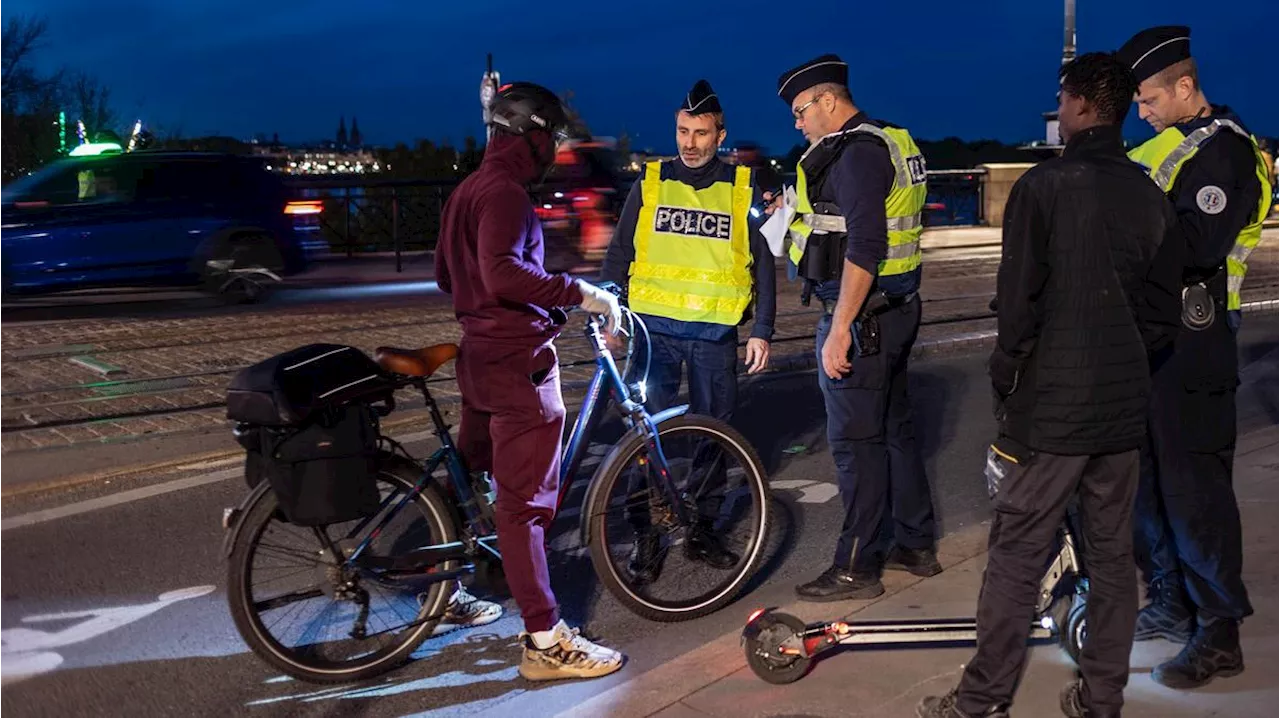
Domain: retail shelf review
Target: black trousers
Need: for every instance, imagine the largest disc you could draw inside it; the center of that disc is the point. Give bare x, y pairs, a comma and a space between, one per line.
1030, 506
1186, 522
713, 391
879, 469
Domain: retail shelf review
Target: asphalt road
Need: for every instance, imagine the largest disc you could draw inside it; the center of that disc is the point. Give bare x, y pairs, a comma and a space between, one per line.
120, 610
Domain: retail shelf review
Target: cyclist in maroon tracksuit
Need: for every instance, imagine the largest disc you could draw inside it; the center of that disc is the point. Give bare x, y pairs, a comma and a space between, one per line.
490, 258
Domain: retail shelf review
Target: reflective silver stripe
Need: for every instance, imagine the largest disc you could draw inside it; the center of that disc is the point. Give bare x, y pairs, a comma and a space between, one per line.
902, 224
824, 222
902, 251
1241, 252
1164, 174
902, 172
1234, 283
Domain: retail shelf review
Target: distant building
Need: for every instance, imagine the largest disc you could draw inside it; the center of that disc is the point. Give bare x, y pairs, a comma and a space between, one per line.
322, 159
344, 155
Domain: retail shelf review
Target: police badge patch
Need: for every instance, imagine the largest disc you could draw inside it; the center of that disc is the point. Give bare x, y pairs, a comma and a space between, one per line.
1211, 200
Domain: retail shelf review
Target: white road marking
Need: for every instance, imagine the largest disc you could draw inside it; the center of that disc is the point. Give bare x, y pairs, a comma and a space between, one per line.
811, 492
26, 651
124, 497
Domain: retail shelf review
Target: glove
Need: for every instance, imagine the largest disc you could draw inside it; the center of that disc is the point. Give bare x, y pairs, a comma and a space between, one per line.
599, 301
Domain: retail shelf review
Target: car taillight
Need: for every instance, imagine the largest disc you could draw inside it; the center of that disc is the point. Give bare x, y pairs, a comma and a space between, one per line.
304, 207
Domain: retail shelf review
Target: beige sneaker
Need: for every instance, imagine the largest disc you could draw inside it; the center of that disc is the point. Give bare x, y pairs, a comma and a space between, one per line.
571, 656
466, 611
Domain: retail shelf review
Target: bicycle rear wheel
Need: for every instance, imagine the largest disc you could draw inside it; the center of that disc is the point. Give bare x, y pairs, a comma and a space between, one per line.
721, 482
291, 603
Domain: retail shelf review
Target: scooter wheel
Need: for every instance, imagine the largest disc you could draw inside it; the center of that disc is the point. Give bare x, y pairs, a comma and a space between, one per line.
1074, 632
762, 650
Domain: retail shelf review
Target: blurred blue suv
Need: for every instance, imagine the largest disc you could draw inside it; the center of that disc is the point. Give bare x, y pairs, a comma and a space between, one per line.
151, 219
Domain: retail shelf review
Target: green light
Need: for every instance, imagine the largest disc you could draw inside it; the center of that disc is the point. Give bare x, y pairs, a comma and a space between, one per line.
96, 148
62, 133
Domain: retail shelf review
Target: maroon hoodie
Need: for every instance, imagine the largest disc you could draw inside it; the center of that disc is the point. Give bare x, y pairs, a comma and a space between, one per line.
489, 256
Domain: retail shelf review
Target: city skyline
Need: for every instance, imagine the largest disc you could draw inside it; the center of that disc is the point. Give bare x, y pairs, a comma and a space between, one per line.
413, 73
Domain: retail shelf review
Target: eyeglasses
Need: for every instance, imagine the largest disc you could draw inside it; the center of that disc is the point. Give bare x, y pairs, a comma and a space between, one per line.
799, 111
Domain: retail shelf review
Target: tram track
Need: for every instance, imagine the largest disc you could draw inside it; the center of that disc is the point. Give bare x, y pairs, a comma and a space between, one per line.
212, 349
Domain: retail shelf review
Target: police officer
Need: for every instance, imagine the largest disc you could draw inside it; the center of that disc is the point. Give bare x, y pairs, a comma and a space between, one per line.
856, 244
693, 263
1187, 524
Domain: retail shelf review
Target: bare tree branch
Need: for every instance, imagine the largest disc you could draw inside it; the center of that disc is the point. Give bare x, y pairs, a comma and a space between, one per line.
19, 37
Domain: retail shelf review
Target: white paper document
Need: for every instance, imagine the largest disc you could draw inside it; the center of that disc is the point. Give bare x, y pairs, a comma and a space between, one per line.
775, 228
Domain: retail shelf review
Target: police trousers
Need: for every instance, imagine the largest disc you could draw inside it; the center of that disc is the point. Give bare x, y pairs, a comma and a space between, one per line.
712, 368
512, 419
1187, 523
713, 391
879, 469
1030, 506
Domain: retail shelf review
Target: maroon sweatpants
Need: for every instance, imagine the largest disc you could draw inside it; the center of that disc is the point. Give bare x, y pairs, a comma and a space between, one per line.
512, 419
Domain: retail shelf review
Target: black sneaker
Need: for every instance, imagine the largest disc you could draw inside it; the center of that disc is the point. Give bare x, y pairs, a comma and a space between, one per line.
922, 562
838, 584
1072, 702
1214, 650
647, 558
702, 544
1168, 616
945, 707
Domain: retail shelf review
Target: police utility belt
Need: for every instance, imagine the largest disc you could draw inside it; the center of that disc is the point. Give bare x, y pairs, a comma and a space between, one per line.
866, 328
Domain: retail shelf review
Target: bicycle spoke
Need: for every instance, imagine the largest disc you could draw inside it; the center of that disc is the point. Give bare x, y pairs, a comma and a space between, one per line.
286, 599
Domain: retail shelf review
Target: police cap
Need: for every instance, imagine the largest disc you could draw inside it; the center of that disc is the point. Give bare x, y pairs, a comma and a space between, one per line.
701, 99
1154, 49
820, 70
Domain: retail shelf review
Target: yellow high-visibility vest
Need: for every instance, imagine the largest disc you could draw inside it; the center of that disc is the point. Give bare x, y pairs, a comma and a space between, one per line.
1164, 156
904, 207
693, 251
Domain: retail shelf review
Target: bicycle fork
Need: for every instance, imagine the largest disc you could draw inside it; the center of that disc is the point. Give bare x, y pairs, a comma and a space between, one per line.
654, 455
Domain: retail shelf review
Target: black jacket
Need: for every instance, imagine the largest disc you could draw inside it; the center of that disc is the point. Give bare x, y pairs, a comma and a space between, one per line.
1089, 292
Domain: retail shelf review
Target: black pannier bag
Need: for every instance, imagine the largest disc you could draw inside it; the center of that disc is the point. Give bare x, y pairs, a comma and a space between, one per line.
305, 419
286, 389
324, 472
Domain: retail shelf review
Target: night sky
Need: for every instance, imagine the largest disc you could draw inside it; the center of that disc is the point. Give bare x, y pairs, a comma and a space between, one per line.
408, 70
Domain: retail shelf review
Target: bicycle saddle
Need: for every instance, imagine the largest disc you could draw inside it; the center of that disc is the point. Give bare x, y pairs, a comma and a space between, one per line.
415, 362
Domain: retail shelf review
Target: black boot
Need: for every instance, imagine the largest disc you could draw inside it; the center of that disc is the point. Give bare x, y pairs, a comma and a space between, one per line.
919, 561
945, 707
647, 558
1213, 651
1074, 705
702, 544
1168, 616
838, 584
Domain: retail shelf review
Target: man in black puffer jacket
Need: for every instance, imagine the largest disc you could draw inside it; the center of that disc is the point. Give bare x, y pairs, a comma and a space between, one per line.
1089, 297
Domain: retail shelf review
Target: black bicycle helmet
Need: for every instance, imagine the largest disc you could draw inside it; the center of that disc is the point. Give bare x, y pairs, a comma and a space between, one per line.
523, 106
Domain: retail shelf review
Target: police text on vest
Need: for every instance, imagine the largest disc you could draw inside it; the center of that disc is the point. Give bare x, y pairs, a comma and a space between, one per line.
699, 222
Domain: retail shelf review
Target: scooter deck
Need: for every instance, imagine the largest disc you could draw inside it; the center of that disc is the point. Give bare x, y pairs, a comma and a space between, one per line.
823, 635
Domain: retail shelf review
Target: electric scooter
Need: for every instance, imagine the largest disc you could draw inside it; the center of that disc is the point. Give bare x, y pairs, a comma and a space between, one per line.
781, 648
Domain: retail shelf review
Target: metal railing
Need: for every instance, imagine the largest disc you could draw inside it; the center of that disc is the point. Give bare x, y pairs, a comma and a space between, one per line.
367, 214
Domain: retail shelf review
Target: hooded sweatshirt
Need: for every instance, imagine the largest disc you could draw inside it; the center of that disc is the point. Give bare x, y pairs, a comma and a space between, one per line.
490, 252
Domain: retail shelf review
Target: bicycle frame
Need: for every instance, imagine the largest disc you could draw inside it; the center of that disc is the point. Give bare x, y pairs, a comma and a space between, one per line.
607, 383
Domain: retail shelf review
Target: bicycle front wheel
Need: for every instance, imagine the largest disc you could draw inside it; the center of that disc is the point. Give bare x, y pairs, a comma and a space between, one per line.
659, 564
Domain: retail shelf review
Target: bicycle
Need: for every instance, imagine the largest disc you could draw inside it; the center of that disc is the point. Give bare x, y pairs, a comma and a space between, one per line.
455, 513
